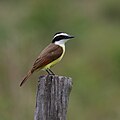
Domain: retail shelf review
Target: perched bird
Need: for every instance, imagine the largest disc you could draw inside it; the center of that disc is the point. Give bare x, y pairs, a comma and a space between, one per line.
51, 55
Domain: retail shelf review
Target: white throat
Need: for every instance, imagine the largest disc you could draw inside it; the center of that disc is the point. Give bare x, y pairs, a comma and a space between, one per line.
61, 43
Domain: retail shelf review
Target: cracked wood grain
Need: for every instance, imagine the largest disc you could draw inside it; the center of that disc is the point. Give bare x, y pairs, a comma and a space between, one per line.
52, 97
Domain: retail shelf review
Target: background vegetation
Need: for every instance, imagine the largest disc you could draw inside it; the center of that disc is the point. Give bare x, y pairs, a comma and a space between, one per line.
92, 59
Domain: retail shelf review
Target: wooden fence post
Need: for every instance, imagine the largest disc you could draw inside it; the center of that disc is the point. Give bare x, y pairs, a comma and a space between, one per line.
52, 97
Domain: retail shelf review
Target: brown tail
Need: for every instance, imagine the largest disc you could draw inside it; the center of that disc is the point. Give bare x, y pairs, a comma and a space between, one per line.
25, 78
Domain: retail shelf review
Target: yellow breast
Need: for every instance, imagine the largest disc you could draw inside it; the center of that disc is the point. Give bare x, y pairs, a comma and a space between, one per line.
57, 60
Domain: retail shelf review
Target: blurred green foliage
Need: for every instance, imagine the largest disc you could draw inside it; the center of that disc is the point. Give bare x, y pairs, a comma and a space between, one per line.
92, 59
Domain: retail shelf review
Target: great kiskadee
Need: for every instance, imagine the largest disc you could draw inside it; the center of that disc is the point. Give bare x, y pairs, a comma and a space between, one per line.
51, 55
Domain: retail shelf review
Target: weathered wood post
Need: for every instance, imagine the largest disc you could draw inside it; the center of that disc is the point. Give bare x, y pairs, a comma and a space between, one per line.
52, 97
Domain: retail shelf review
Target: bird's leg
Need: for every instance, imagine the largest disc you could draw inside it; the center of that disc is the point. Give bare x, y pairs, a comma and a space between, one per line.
52, 73
48, 72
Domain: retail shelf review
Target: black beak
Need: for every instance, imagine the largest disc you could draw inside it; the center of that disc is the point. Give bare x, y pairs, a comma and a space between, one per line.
71, 37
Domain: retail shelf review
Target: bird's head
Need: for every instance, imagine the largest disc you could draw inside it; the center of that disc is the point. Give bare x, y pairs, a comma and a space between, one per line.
61, 38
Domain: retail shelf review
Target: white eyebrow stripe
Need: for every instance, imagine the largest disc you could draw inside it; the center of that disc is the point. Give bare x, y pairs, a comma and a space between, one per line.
64, 34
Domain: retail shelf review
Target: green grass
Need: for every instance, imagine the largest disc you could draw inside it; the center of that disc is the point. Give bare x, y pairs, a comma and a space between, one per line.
92, 59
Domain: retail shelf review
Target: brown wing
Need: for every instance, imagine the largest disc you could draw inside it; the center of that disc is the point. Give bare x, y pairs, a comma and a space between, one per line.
49, 54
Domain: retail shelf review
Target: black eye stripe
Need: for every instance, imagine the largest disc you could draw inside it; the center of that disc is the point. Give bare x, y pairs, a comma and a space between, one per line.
57, 38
